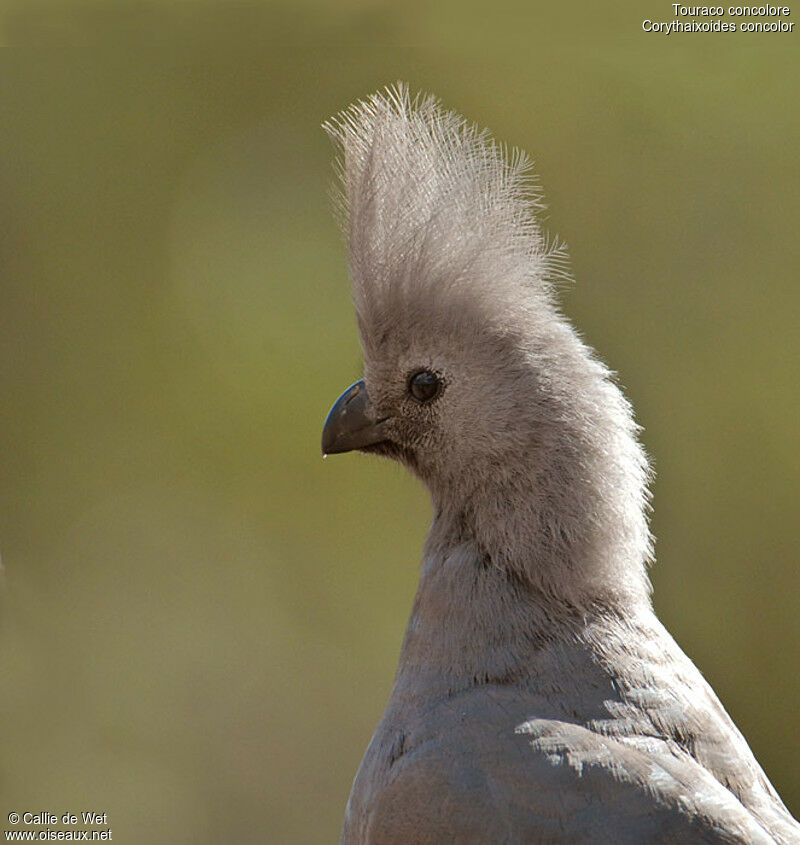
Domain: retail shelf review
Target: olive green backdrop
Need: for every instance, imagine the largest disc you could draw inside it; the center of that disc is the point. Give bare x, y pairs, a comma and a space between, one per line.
202, 618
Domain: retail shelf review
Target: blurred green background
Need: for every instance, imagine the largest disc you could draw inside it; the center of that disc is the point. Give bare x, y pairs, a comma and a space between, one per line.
202, 618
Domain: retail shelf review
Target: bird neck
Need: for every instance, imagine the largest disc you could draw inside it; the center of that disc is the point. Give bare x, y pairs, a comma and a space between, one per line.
578, 537
516, 562
473, 623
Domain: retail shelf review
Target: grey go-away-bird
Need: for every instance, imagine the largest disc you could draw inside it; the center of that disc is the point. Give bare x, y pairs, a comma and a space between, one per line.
537, 698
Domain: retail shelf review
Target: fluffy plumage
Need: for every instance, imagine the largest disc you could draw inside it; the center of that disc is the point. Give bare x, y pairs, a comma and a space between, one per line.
538, 699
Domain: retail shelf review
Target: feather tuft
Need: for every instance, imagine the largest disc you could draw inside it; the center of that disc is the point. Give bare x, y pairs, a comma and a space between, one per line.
427, 199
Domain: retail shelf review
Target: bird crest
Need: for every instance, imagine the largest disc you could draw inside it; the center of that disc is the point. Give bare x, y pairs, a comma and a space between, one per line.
432, 209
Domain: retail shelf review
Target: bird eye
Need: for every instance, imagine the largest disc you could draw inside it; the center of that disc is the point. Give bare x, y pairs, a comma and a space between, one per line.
424, 386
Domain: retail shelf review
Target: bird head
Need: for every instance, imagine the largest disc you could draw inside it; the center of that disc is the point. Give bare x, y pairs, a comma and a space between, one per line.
472, 377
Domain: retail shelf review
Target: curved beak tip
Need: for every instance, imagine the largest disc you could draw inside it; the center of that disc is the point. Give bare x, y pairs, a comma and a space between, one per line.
351, 422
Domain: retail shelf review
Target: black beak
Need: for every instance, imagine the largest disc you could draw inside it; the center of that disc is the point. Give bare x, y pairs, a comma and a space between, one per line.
351, 422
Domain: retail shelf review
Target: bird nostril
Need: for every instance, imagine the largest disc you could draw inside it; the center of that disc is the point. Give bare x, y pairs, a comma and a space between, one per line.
354, 391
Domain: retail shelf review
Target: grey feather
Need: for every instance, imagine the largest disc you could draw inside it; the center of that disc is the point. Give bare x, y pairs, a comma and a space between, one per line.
538, 698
